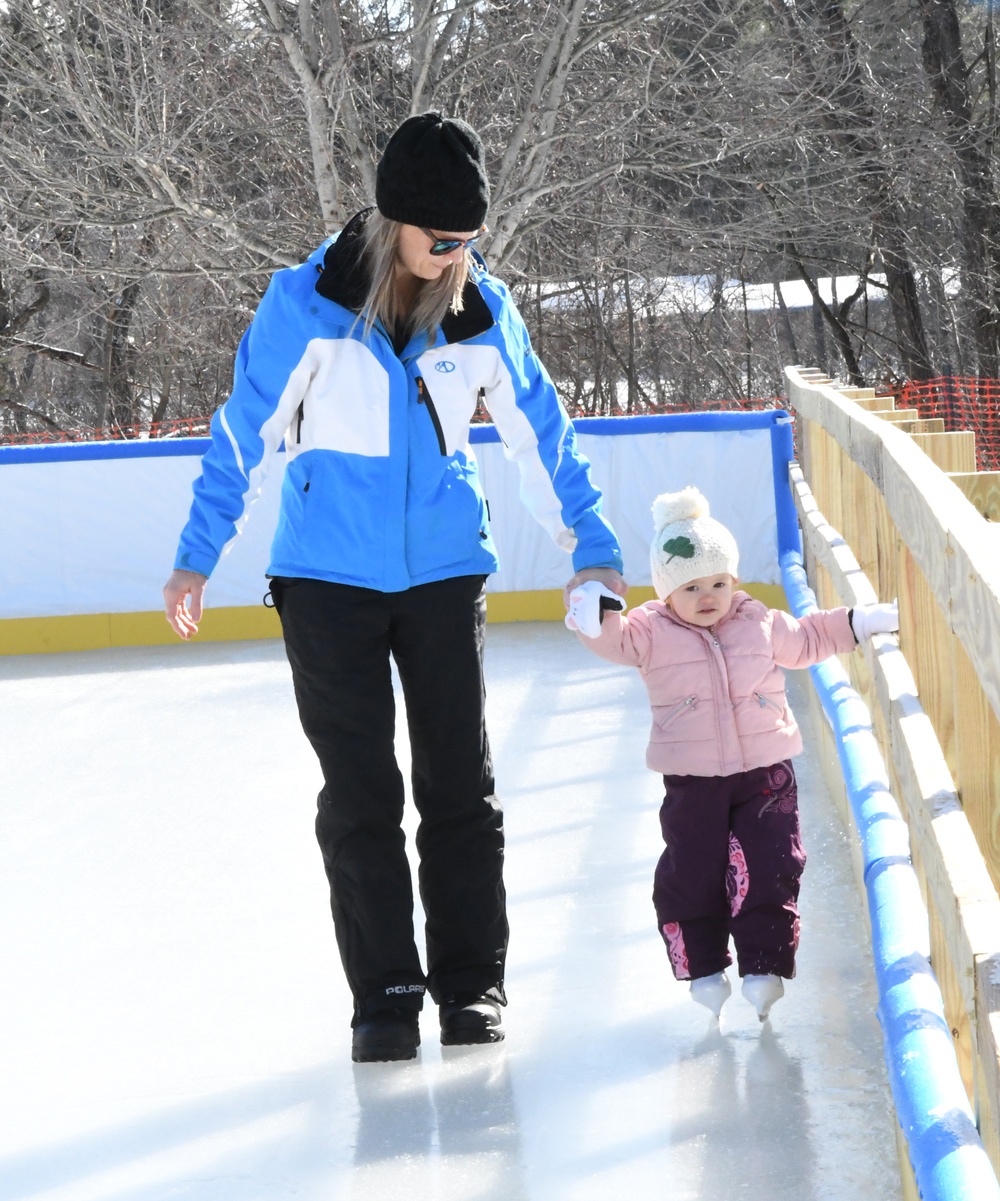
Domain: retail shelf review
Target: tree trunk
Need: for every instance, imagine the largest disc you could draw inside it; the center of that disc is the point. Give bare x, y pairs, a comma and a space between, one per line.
946, 68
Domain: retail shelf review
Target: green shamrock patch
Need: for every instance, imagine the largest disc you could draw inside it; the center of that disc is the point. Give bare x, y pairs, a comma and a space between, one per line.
679, 548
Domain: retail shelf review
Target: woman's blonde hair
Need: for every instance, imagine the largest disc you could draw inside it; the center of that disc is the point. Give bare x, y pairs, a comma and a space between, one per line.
434, 299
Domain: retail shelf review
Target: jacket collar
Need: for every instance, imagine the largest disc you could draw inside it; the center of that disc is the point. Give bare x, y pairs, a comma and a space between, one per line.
740, 598
343, 277
344, 280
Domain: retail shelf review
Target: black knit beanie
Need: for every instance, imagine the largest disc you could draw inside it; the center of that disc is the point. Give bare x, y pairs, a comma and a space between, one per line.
431, 174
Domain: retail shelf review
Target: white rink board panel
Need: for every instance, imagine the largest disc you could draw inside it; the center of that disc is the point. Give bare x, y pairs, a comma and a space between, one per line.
733, 468
99, 534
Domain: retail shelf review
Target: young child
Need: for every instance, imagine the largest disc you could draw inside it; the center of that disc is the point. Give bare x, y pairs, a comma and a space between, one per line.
723, 737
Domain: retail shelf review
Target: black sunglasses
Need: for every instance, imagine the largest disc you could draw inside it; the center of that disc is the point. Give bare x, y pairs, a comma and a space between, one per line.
447, 245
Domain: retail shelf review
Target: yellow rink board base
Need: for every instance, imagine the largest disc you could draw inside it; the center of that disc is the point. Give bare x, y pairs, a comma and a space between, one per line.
97, 631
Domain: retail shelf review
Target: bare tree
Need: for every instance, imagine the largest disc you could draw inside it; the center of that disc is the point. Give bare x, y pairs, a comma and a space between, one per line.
654, 165
966, 100
827, 58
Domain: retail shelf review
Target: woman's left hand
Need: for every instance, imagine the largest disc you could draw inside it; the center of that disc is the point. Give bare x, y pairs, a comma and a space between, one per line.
608, 576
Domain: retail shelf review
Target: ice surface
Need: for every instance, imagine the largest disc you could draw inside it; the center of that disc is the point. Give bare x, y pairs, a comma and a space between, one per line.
175, 1025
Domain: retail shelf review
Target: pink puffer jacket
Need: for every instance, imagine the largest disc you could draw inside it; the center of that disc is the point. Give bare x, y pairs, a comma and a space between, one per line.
718, 698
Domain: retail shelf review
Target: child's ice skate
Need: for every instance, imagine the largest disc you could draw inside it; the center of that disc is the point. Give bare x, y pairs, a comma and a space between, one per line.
712, 991
762, 992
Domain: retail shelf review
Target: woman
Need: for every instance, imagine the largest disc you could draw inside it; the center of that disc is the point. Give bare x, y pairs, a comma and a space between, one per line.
369, 361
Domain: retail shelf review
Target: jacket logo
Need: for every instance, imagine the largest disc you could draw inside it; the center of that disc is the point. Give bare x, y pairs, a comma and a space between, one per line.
680, 548
445, 366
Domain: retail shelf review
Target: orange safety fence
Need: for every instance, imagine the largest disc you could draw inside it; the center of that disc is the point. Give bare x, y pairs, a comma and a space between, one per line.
743, 405
178, 427
963, 403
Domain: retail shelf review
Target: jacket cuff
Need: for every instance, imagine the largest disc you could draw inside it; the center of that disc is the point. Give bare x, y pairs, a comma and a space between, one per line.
193, 561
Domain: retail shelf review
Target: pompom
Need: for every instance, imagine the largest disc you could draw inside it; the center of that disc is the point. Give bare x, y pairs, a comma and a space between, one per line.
685, 505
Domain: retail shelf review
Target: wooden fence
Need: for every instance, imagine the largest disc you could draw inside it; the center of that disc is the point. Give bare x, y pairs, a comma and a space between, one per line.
920, 523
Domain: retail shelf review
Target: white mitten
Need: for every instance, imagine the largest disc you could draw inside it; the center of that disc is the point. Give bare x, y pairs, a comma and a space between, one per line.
867, 620
587, 603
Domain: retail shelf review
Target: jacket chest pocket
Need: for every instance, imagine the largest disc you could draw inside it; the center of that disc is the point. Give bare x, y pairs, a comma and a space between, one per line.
424, 398
344, 402
450, 407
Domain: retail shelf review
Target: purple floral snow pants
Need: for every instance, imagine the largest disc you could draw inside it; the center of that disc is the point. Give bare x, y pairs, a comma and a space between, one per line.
732, 866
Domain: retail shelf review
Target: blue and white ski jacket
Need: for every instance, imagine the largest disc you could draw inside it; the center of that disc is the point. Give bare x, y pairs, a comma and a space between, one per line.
381, 487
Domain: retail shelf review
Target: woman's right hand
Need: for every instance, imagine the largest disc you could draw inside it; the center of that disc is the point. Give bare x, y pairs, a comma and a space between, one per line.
184, 618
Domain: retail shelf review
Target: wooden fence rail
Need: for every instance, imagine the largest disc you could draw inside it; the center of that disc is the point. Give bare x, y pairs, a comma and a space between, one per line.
917, 518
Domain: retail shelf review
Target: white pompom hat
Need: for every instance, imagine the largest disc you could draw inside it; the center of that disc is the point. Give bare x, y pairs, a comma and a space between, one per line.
688, 544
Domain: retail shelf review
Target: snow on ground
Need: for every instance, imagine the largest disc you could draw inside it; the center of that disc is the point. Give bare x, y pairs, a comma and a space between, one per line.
176, 1025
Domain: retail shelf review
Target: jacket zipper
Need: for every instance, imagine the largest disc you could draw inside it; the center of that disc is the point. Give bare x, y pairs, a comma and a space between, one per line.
719, 667
766, 702
676, 711
424, 398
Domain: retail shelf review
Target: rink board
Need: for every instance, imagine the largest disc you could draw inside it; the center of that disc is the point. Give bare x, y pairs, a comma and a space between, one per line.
90, 530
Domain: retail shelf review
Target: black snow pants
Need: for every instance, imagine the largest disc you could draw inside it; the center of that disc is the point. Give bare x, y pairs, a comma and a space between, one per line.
339, 641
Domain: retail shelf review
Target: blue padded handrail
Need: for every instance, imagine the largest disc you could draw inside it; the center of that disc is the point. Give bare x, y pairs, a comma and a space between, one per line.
946, 1153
